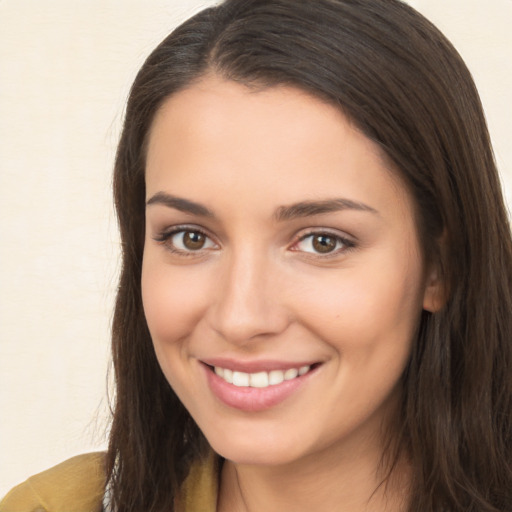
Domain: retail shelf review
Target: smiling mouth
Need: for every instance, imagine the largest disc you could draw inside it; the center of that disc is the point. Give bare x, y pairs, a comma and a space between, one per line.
260, 379
258, 385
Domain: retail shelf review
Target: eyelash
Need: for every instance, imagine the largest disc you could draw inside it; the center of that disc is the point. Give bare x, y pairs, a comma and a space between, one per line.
346, 243
165, 236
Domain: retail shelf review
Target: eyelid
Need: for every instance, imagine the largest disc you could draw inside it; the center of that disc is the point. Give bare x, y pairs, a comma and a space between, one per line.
164, 236
348, 242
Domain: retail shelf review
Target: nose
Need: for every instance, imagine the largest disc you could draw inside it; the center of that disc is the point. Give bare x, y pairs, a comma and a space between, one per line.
248, 303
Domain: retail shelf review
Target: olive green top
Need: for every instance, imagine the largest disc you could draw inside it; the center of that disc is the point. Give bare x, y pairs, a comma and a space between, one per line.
78, 485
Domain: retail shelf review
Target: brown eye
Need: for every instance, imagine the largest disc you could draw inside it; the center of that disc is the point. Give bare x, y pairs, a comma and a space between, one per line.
193, 240
324, 243
188, 241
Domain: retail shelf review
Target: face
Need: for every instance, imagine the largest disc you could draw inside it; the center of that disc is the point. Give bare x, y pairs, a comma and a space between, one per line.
282, 279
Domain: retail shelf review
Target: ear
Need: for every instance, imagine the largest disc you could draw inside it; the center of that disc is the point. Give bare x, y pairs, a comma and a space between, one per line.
434, 296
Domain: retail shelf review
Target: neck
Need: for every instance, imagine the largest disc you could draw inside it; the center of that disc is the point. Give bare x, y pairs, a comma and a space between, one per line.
353, 481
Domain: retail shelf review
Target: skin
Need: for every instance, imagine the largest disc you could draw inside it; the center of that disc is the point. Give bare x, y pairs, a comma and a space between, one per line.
258, 290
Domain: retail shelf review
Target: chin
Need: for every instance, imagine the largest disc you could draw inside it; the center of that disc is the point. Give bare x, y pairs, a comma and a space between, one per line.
256, 455
253, 449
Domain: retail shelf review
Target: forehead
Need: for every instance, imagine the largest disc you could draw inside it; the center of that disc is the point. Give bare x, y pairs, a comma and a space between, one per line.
280, 138
213, 103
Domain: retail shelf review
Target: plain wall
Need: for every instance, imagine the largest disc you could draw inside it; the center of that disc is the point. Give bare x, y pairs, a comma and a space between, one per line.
65, 70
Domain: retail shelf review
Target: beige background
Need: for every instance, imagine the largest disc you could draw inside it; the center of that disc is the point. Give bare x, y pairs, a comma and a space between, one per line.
65, 70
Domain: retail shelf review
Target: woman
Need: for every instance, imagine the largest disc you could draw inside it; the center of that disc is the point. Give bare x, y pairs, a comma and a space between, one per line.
314, 311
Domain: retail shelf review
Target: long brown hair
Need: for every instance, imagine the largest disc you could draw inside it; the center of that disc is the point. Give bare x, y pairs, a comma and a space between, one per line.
407, 89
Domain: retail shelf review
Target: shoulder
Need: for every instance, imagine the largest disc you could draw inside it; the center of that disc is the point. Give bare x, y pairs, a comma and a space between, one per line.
74, 485
200, 489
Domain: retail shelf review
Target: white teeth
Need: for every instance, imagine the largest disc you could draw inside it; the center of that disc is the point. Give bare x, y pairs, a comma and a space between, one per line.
228, 375
260, 379
241, 379
303, 370
291, 374
275, 377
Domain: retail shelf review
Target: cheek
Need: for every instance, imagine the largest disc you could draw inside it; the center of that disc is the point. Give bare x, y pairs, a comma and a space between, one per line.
172, 301
372, 308
173, 307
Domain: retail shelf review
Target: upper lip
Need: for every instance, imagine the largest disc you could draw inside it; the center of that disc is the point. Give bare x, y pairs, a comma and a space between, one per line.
255, 366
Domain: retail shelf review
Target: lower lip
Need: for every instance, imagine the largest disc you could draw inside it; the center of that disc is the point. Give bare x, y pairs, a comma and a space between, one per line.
253, 399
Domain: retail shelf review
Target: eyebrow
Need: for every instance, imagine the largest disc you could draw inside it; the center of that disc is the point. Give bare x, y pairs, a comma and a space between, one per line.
283, 213
310, 208
178, 203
